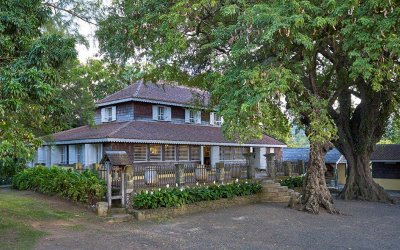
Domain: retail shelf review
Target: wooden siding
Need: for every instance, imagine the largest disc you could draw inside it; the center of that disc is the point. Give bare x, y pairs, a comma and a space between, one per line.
143, 110
125, 112
178, 113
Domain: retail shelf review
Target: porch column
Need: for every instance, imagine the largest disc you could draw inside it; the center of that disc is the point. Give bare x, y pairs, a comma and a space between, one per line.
202, 155
214, 155
259, 161
86, 156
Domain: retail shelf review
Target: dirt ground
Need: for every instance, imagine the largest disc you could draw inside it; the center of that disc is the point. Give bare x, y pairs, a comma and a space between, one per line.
363, 225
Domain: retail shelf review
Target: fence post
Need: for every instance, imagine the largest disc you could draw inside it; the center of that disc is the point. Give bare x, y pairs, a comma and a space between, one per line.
287, 168
250, 172
271, 166
180, 174
300, 163
220, 171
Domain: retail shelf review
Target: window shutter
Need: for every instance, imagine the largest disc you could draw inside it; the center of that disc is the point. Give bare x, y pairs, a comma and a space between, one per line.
168, 113
103, 115
212, 118
198, 117
72, 154
114, 113
155, 112
222, 120
187, 115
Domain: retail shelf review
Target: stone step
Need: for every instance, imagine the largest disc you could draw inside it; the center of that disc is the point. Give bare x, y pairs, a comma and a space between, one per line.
118, 210
271, 189
281, 199
117, 218
283, 188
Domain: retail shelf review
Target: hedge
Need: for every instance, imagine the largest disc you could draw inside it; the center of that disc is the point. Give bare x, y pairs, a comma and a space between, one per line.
292, 182
175, 197
82, 187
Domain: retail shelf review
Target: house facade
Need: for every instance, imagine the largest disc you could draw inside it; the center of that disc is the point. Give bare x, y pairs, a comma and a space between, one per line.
155, 124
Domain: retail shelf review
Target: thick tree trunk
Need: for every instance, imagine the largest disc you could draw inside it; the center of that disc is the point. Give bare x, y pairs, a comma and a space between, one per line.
316, 193
359, 184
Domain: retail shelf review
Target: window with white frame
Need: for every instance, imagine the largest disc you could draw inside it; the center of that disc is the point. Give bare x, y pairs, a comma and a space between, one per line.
169, 152
195, 153
140, 152
218, 120
183, 152
109, 114
64, 155
161, 113
192, 116
155, 152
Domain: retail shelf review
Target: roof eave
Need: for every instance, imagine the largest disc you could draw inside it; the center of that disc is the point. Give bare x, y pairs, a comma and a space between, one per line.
102, 140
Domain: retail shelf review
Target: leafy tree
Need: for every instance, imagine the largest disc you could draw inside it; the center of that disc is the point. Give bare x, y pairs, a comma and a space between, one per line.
87, 83
392, 134
309, 56
32, 59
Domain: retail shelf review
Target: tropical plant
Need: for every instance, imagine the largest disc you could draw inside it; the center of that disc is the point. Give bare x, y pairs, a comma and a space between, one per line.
292, 182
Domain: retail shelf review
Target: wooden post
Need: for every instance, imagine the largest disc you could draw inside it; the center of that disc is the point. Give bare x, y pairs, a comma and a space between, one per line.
123, 186
108, 167
220, 171
180, 174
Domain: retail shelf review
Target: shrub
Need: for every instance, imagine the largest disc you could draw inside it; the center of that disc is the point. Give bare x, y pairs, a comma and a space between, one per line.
82, 187
175, 197
292, 182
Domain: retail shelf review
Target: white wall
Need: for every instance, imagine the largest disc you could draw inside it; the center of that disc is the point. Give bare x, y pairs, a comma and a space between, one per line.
55, 155
260, 161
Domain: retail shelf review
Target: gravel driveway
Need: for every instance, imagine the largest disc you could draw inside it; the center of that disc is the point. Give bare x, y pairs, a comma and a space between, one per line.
364, 225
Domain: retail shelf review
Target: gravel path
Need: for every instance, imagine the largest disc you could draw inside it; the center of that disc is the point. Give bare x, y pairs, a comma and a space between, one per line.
364, 225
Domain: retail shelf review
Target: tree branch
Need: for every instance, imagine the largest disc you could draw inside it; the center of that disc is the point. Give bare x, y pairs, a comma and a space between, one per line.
72, 13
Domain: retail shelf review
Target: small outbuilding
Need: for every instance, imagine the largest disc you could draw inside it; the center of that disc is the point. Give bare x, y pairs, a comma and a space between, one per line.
386, 166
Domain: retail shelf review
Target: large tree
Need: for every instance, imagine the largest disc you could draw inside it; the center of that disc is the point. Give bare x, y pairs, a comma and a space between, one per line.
326, 61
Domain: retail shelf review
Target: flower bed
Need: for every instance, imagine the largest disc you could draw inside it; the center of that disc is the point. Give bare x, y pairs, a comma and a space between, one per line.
82, 187
176, 197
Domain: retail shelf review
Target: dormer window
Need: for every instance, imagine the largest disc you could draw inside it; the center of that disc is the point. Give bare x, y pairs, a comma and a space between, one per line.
216, 119
192, 116
109, 114
161, 114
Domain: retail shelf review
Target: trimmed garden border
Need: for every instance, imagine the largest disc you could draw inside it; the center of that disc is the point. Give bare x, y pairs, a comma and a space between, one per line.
198, 207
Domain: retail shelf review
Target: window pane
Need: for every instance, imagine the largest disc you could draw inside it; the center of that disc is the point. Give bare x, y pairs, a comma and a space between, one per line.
155, 152
79, 153
169, 152
195, 153
139, 152
161, 113
183, 152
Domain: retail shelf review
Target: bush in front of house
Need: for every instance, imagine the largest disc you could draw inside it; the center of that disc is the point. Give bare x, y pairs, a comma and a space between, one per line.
292, 182
176, 197
82, 187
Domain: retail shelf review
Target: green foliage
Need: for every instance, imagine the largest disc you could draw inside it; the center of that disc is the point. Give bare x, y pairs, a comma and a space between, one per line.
31, 64
82, 187
175, 197
292, 182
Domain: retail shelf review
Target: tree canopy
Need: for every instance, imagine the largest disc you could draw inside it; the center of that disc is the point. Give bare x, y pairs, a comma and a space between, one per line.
312, 57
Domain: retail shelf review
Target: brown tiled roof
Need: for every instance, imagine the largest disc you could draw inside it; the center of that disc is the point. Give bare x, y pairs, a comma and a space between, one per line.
116, 158
163, 92
154, 131
388, 152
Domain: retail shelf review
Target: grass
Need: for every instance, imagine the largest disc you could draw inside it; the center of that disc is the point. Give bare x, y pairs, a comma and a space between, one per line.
17, 214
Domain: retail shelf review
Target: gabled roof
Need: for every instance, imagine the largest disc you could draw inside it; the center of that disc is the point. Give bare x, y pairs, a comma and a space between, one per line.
296, 154
153, 132
159, 92
116, 158
386, 152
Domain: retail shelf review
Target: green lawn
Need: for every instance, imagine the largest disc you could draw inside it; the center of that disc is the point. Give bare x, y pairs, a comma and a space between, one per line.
16, 215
